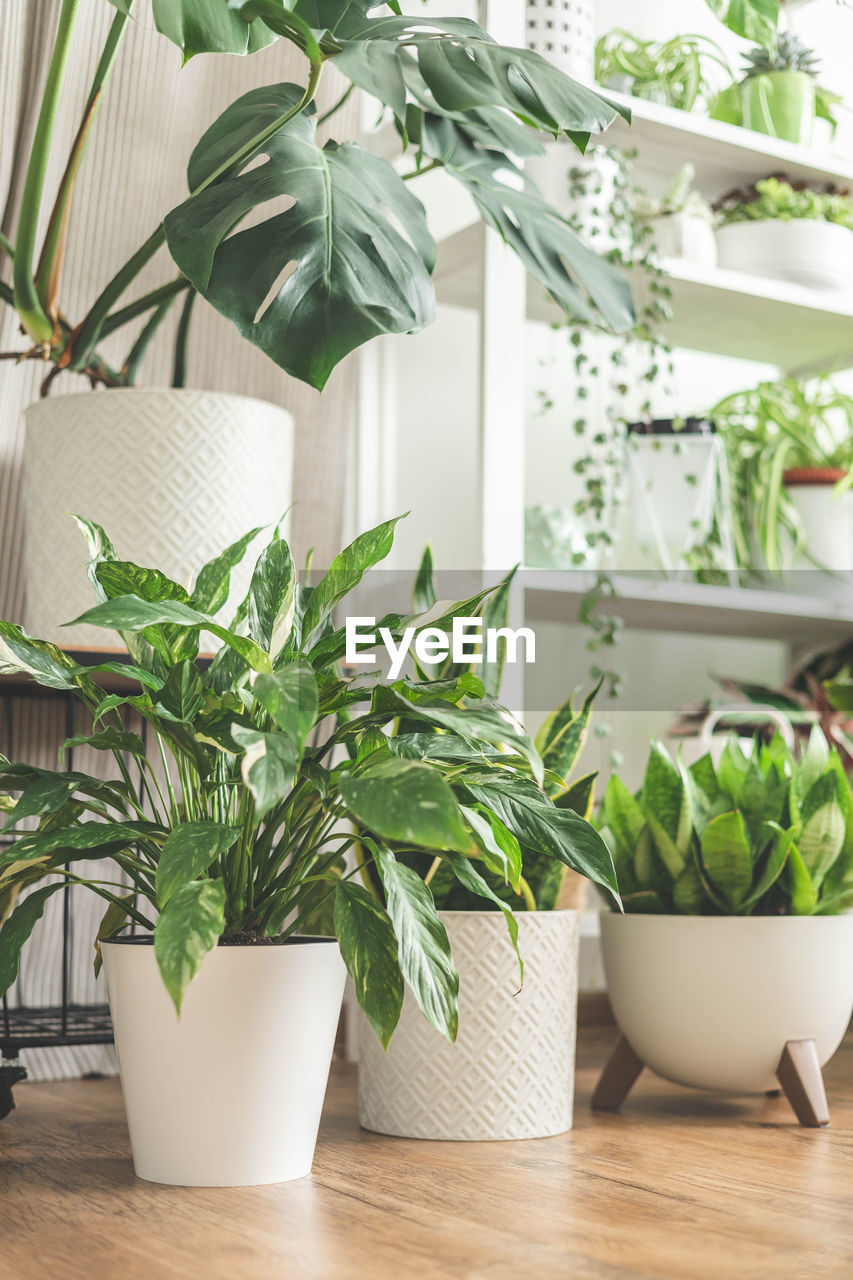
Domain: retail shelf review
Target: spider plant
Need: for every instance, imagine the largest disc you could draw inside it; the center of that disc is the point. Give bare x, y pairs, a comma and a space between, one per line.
672, 71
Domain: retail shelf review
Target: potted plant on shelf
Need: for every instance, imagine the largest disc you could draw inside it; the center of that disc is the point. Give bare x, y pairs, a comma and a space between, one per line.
681, 220
778, 89
350, 260
672, 72
789, 231
733, 965
510, 1072
789, 447
229, 849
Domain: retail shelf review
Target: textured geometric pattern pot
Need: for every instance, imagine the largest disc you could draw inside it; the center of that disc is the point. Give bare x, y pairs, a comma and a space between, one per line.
510, 1073
173, 477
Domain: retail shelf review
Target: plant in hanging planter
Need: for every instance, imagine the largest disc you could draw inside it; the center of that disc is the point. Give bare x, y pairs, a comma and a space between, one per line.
789, 448
789, 231
350, 260
504, 1033
680, 220
270, 767
735, 962
671, 71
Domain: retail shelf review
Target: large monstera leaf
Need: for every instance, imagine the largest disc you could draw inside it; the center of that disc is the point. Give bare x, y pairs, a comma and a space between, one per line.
205, 26
355, 240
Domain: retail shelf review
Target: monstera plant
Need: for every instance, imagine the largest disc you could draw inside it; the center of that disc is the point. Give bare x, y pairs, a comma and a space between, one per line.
352, 257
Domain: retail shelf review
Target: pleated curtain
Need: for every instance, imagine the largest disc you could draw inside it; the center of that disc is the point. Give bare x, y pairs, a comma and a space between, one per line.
134, 170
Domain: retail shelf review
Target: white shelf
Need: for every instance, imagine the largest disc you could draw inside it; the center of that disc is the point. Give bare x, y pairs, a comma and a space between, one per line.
727, 313
724, 155
665, 605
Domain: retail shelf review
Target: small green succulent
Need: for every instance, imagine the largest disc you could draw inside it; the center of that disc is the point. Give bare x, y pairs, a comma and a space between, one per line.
788, 54
759, 834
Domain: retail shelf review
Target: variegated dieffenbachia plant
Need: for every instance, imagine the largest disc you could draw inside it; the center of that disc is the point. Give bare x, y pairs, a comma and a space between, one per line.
763, 833
275, 788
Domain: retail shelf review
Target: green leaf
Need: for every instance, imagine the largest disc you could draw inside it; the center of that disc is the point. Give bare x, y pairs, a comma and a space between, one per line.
666, 805
755, 20
424, 596
20, 654
345, 573
213, 583
17, 929
86, 840
269, 765
423, 945
623, 815
107, 740
727, 858
774, 864
688, 893
189, 927
43, 796
205, 26
182, 695
804, 895
356, 275
562, 736
290, 696
369, 947
408, 802
114, 919
469, 877
821, 838
188, 852
271, 598
579, 796
481, 721
499, 848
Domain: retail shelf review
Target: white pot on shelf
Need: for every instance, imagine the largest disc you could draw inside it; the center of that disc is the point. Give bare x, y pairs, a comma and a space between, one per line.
802, 250
230, 1093
685, 237
826, 518
711, 1001
510, 1073
173, 476
563, 31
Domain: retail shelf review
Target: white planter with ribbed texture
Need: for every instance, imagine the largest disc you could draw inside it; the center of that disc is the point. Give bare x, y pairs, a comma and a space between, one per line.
711, 1001
230, 1093
173, 476
563, 31
510, 1073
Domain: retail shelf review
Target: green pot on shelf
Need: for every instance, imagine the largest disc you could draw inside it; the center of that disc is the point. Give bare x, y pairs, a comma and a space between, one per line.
781, 104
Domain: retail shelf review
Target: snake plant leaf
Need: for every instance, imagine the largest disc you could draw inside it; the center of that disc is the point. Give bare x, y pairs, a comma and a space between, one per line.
469, 877
623, 815
688, 892
354, 240
16, 930
205, 26
290, 696
804, 895
582, 282
727, 857
269, 765
580, 796
272, 598
423, 946
774, 864
813, 763
187, 852
821, 838
188, 928
345, 573
369, 947
666, 804
755, 20
561, 738
212, 584
407, 801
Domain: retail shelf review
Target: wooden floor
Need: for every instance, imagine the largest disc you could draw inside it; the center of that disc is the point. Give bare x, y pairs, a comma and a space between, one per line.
680, 1185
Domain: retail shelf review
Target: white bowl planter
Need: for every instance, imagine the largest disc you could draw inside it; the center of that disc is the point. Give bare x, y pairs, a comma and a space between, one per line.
510, 1073
173, 476
802, 250
685, 237
230, 1093
712, 1001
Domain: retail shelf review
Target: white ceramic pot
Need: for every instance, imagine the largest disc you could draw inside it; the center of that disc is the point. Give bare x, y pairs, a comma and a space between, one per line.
827, 523
711, 1001
230, 1093
686, 237
563, 31
803, 250
173, 476
510, 1073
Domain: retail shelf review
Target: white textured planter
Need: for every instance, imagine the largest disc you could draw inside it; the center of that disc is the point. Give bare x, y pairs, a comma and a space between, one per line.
230, 1093
510, 1073
563, 31
711, 1001
172, 476
803, 250
685, 237
827, 524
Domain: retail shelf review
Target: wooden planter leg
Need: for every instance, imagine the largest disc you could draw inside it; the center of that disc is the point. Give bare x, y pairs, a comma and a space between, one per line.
800, 1076
617, 1078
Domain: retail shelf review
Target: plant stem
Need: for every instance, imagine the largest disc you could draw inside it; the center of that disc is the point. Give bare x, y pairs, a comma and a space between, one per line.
336, 106
143, 304
179, 368
27, 302
90, 330
427, 168
140, 346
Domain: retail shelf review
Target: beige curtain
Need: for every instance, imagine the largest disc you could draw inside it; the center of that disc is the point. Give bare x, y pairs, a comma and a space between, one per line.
133, 173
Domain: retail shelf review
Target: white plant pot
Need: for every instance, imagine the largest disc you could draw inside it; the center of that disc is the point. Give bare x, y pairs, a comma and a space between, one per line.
563, 31
510, 1073
686, 237
230, 1093
827, 525
803, 250
551, 174
671, 498
173, 476
711, 1001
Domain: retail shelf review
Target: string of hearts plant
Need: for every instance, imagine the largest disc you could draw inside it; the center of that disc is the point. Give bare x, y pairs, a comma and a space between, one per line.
352, 257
